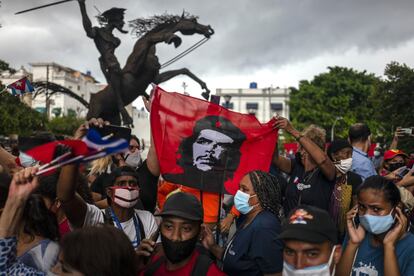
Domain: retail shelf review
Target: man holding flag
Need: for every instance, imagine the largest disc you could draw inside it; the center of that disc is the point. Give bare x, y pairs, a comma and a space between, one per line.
127, 188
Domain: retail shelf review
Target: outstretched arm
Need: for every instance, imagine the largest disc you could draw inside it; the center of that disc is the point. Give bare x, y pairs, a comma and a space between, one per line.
318, 155
152, 159
87, 25
23, 184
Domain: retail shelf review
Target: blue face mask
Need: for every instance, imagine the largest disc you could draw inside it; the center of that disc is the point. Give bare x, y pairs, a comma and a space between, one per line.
317, 270
377, 224
26, 160
241, 202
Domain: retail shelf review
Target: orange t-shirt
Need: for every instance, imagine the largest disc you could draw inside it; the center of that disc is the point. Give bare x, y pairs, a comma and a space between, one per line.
210, 201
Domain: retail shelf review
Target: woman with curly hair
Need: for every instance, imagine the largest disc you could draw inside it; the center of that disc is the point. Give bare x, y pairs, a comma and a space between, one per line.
312, 173
255, 248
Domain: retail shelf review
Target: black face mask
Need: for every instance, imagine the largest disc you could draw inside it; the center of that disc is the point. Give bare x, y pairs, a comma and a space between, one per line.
177, 251
393, 166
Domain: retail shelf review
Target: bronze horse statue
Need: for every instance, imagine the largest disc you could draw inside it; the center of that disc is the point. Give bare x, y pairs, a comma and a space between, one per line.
142, 67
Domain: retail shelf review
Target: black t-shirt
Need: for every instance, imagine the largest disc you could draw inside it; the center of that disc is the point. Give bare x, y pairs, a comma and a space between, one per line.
312, 188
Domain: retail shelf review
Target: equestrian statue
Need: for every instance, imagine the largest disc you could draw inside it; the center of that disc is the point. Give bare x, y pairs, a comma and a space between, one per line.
142, 67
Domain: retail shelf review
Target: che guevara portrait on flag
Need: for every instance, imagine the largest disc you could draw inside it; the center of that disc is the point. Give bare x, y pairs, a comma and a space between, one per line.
210, 155
203, 145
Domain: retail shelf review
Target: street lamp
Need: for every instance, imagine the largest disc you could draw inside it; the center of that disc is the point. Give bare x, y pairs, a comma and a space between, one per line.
333, 126
227, 99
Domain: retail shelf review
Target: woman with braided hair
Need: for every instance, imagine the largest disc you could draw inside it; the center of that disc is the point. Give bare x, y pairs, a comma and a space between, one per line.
255, 248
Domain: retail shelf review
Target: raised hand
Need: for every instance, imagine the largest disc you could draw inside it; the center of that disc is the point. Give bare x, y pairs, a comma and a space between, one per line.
83, 128
24, 182
145, 248
398, 230
283, 123
356, 233
207, 238
226, 223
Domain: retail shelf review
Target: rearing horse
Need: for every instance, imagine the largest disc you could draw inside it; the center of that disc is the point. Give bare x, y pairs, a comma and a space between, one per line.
142, 67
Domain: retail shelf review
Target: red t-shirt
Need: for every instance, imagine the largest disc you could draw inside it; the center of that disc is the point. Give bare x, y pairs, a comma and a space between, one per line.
185, 270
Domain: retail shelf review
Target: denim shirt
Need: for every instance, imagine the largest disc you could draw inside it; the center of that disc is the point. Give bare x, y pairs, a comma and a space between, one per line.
361, 164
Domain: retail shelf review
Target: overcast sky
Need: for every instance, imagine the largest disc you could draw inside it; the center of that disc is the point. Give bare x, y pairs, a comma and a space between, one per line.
272, 42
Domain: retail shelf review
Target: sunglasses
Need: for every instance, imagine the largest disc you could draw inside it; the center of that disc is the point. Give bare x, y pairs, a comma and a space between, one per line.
133, 147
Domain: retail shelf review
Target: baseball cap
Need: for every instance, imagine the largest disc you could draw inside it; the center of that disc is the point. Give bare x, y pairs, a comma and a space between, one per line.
390, 154
309, 224
183, 205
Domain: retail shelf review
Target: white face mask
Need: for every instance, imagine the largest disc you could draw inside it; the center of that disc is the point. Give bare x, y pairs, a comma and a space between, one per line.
317, 270
126, 197
377, 153
344, 165
133, 159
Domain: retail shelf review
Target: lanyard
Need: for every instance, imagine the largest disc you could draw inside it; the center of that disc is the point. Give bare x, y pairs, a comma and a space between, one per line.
118, 225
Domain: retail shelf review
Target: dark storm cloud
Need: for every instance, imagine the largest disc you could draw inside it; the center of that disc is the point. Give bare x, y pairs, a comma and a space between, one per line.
249, 35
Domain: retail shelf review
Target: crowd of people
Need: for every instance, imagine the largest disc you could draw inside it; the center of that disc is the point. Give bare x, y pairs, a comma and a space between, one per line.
328, 210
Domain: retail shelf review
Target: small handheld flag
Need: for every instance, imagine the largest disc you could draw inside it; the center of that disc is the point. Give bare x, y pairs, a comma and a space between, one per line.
21, 87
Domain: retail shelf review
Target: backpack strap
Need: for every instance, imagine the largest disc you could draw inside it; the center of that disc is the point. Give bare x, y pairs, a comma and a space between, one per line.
153, 267
107, 217
141, 227
202, 265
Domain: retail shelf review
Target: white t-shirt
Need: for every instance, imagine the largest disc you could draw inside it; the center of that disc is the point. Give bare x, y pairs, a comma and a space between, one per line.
95, 216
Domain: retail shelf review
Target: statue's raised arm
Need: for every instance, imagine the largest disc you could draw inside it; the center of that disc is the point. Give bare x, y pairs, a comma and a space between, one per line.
87, 24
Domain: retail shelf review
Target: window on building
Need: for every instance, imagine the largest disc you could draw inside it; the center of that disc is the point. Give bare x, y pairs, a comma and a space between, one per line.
276, 106
228, 106
78, 87
253, 106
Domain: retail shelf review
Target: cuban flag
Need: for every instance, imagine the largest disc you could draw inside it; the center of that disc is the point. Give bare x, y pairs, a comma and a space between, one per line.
21, 87
99, 146
93, 146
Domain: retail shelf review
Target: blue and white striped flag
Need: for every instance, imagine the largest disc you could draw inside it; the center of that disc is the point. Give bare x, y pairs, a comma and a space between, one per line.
102, 146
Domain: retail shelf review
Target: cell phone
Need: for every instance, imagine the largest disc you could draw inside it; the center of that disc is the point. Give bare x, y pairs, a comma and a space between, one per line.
114, 131
406, 130
355, 221
403, 171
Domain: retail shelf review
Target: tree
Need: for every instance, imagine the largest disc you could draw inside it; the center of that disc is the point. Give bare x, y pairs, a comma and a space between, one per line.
18, 118
341, 92
65, 125
394, 101
15, 116
5, 66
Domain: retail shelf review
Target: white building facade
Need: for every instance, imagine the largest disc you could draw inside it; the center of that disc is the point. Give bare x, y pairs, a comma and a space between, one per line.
261, 102
61, 104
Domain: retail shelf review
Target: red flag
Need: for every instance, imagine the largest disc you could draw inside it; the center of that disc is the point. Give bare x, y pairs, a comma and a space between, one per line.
47, 152
205, 146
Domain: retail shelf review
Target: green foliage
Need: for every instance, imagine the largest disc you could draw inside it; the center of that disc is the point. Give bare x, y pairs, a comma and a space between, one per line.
5, 66
341, 92
65, 125
394, 100
18, 118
